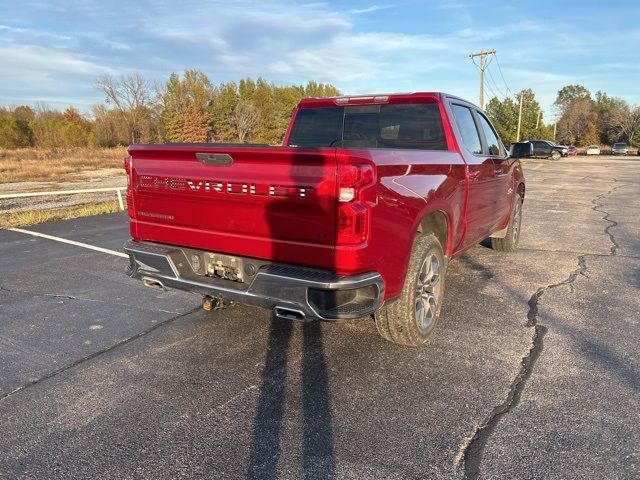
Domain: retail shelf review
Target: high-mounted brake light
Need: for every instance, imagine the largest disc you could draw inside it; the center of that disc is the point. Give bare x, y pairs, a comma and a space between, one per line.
355, 195
362, 99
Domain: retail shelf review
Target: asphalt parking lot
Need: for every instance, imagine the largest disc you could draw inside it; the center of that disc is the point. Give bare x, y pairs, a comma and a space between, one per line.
534, 371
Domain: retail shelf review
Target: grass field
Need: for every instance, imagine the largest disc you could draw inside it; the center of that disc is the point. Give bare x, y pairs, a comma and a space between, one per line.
29, 164
34, 217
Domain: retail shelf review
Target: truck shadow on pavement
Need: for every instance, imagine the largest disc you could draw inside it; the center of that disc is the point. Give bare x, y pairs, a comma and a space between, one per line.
318, 455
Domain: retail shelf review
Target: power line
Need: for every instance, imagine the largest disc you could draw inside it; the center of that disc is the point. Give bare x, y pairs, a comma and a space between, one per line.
496, 85
503, 79
492, 91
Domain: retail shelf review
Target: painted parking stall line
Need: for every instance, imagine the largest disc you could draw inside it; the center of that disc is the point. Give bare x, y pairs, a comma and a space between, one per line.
70, 242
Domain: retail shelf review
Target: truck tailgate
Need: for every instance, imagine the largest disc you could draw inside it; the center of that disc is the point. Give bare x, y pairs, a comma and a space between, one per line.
274, 203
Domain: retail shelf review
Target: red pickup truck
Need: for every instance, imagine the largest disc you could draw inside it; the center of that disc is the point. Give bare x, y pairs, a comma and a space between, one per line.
358, 213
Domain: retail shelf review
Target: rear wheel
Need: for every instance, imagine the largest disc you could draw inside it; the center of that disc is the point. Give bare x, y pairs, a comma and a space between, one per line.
555, 155
510, 241
411, 318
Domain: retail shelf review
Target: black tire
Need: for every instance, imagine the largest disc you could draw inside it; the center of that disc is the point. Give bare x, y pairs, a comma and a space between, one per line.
556, 155
510, 242
425, 281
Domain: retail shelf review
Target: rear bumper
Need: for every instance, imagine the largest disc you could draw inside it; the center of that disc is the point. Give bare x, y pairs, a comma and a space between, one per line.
290, 291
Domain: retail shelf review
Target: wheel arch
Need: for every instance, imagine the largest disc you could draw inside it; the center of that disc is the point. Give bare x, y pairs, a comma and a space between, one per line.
436, 222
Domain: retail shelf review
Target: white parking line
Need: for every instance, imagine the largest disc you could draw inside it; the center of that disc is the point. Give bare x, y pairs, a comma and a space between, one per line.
70, 242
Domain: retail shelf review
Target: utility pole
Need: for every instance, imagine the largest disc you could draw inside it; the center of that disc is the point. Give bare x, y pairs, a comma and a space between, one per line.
519, 118
538, 121
555, 124
483, 66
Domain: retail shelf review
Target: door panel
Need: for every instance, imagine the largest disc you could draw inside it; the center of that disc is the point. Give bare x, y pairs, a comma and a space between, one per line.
502, 187
481, 170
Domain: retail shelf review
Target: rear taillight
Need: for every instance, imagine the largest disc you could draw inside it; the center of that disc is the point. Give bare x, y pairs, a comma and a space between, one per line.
128, 168
355, 198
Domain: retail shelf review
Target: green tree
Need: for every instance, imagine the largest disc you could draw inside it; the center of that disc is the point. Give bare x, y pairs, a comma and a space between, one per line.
504, 117
15, 127
315, 89
187, 107
14, 133
268, 129
568, 94
224, 104
578, 124
603, 106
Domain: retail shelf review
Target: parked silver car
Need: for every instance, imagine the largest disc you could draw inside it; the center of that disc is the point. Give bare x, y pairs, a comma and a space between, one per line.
620, 149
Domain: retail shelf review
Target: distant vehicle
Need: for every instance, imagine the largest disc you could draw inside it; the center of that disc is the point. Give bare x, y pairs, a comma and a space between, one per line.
548, 149
593, 150
620, 149
573, 151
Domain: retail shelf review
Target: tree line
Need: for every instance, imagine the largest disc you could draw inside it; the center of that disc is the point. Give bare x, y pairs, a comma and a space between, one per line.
191, 108
187, 108
582, 119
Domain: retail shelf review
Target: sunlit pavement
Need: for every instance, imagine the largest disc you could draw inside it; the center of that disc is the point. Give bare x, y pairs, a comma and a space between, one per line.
533, 372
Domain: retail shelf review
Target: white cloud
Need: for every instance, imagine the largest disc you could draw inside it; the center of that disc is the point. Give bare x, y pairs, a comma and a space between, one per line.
24, 60
372, 8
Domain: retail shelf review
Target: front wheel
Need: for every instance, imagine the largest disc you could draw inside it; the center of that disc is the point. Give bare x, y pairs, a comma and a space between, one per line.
510, 241
410, 319
555, 155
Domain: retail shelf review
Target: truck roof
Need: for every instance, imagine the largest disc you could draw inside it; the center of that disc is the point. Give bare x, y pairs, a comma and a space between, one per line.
379, 98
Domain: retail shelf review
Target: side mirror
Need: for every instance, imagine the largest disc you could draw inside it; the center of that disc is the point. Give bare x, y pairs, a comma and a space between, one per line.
521, 149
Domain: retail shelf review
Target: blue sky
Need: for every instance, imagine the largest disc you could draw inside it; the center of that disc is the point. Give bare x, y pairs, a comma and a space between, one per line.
52, 51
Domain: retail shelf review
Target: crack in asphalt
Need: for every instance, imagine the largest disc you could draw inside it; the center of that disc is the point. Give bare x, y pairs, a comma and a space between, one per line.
81, 299
93, 355
473, 449
612, 223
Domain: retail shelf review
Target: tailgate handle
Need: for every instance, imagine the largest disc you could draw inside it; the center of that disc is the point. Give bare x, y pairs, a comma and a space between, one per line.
222, 159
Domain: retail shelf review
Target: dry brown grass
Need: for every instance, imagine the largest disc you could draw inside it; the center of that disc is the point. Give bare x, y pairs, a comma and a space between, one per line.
24, 219
30, 164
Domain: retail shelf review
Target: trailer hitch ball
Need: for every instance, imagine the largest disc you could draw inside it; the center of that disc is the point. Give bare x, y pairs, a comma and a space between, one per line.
210, 303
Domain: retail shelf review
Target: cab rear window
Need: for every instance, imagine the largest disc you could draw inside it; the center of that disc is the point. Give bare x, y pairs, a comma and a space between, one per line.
397, 126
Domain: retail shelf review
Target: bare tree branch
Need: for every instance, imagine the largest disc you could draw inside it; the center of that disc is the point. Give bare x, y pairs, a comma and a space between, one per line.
131, 95
245, 118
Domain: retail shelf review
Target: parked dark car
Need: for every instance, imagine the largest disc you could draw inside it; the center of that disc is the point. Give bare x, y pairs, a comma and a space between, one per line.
548, 149
620, 149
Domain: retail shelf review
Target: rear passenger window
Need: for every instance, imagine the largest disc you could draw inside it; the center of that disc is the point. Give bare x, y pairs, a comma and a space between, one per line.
317, 127
468, 129
493, 144
412, 126
415, 125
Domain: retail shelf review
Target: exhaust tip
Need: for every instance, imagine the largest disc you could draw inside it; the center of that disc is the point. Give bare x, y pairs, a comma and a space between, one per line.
287, 313
153, 283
